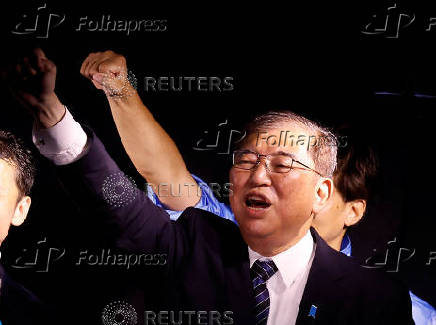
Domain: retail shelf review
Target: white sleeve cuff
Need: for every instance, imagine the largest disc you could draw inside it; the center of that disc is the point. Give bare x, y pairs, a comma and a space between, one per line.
62, 143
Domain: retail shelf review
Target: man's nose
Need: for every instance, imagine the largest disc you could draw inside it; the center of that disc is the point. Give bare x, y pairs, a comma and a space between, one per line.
260, 175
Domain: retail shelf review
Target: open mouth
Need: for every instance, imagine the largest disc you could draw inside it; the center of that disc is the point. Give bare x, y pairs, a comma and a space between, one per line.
256, 202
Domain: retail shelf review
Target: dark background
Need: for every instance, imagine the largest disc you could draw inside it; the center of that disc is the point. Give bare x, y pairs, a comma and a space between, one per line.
312, 59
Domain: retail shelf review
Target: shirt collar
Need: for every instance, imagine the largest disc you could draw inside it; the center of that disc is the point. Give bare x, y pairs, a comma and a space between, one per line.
291, 262
346, 245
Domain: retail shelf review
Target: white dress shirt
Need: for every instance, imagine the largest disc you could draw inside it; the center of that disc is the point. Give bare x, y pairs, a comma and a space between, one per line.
287, 285
62, 143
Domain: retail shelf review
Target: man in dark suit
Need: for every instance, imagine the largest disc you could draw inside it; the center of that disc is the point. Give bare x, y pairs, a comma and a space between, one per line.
17, 304
209, 262
274, 268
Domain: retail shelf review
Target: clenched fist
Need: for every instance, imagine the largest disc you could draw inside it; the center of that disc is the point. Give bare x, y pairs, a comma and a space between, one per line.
32, 81
108, 72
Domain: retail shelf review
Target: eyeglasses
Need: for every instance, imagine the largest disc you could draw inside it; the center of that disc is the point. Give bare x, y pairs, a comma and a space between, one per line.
276, 163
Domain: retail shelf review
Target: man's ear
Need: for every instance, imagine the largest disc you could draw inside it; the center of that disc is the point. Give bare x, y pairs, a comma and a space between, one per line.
21, 211
323, 192
355, 212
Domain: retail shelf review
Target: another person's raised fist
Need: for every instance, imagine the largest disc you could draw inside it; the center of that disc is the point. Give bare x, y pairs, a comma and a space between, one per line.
108, 72
32, 81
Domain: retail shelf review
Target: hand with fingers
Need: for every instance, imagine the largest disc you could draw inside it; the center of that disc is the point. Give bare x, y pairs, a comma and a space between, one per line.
32, 82
108, 72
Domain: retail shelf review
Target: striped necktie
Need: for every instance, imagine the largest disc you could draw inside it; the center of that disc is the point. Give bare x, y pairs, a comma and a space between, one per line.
260, 272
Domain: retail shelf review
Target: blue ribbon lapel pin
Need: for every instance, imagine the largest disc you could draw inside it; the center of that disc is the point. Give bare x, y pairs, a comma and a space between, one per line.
312, 311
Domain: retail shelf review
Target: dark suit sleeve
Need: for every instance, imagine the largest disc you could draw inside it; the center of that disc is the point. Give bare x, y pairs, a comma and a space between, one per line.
20, 306
389, 299
128, 216
398, 310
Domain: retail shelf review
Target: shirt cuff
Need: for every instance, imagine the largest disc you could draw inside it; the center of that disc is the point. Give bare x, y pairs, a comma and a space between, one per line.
63, 143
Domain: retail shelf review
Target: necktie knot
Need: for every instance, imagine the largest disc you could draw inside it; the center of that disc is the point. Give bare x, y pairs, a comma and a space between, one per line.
263, 269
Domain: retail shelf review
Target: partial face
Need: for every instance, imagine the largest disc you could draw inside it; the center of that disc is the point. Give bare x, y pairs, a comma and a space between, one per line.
273, 205
332, 221
11, 211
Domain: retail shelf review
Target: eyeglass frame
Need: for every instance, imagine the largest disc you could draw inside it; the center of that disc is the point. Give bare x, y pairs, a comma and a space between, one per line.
267, 161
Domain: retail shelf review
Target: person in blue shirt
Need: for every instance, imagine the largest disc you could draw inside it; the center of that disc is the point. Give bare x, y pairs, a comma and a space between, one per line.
143, 137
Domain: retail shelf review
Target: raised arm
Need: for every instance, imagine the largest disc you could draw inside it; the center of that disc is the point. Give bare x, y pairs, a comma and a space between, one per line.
86, 169
152, 151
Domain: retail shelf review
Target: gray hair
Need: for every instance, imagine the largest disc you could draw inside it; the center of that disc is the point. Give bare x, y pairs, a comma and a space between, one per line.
323, 153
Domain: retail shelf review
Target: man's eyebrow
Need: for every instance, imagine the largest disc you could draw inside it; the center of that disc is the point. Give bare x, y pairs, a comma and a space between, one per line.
286, 154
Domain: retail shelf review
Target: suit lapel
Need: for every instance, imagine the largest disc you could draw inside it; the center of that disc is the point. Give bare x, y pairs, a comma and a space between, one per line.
239, 288
327, 268
325, 271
